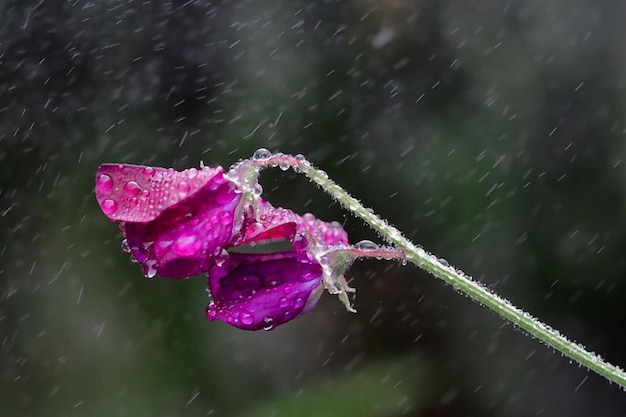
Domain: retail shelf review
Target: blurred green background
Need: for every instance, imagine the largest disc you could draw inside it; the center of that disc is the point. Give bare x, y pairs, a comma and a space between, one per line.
490, 132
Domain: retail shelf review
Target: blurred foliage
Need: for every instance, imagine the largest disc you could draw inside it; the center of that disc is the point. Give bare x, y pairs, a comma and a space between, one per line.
490, 132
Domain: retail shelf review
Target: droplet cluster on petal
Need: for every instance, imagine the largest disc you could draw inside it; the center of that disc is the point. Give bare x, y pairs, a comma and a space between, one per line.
174, 221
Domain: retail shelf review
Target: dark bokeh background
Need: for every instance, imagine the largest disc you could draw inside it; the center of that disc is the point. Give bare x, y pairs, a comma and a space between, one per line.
490, 132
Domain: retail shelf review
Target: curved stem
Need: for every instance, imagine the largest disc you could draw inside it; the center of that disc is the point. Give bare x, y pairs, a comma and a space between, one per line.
449, 274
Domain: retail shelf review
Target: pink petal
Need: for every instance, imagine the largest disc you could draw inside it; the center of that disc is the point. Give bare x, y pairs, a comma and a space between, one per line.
135, 193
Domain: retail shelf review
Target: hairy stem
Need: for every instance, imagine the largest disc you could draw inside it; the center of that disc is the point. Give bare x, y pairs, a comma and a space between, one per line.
449, 274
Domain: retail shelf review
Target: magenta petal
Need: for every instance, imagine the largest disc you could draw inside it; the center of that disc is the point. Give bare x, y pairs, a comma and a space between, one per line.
262, 291
135, 193
176, 223
280, 223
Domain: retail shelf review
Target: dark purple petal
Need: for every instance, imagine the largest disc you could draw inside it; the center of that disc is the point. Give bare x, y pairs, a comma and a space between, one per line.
262, 291
182, 222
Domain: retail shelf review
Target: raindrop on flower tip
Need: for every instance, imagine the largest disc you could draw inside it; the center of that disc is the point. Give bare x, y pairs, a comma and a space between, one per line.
366, 245
261, 154
148, 172
131, 189
104, 183
109, 206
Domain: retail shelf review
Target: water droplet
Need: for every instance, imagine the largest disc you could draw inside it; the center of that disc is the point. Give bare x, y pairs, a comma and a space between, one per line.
299, 302
273, 280
248, 283
257, 190
148, 172
125, 246
287, 289
211, 311
284, 166
221, 256
308, 276
283, 302
104, 183
225, 218
182, 189
192, 173
131, 189
186, 245
268, 323
149, 269
109, 206
404, 262
246, 318
225, 193
366, 245
300, 158
299, 243
261, 154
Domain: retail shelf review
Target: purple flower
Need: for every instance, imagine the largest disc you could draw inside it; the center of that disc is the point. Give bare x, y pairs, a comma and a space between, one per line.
174, 222
178, 224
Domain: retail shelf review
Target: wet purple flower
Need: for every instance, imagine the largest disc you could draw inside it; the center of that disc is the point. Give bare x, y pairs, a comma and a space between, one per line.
178, 224
263, 290
174, 222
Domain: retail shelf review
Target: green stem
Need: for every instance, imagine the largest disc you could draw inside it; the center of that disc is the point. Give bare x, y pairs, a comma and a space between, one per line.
452, 276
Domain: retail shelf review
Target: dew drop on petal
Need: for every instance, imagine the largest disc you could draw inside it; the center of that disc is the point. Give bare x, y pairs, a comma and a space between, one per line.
268, 323
299, 243
246, 318
148, 172
186, 245
261, 154
182, 189
149, 269
109, 206
211, 312
104, 183
273, 280
131, 189
192, 173
225, 193
221, 256
283, 302
308, 276
225, 218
